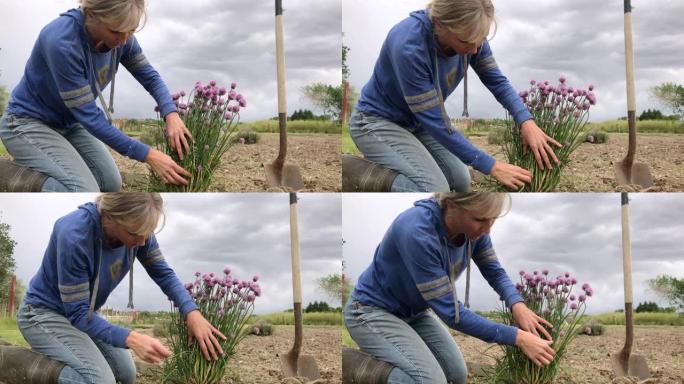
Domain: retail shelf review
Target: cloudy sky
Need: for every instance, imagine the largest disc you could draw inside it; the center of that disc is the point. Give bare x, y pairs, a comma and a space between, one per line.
583, 39
578, 233
204, 40
205, 232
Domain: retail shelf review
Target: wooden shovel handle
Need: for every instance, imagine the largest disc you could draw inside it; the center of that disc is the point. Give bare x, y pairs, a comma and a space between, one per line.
631, 102
627, 271
282, 100
296, 276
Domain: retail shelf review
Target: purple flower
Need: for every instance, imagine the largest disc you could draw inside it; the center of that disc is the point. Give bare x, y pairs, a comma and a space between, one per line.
243, 103
221, 91
228, 116
581, 298
255, 278
233, 85
182, 93
561, 79
236, 290
522, 273
235, 108
205, 108
573, 306
188, 286
532, 82
545, 272
199, 169
212, 83
573, 281
175, 96
197, 274
591, 87
232, 95
250, 297
242, 140
226, 271
572, 297
535, 273
567, 274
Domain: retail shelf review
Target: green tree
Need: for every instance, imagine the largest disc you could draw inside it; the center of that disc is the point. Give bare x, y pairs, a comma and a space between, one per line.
670, 288
651, 114
7, 264
332, 286
647, 306
345, 67
671, 95
326, 97
4, 98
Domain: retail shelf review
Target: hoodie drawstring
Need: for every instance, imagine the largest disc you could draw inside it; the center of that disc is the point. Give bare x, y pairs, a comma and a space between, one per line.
131, 259
93, 298
112, 72
465, 89
469, 256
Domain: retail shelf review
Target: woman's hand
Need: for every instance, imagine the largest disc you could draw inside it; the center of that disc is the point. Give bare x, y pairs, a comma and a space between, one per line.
529, 321
200, 329
147, 348
511, 176
167, 169
177, 133
535, 348
538, 142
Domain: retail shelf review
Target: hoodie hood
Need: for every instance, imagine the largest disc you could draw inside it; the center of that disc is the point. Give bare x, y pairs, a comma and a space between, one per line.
435, 212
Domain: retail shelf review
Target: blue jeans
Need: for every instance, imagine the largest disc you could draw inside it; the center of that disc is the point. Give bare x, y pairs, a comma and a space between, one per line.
73, 159
424, 165
420, 348
87, 360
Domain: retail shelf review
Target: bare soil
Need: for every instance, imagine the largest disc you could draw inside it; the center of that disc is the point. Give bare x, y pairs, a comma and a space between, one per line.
242, 167
591, 165
257, 359
587, 360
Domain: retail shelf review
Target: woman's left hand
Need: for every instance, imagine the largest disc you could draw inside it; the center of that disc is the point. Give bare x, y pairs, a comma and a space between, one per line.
177, 133
529, 321
205, 334
537, 141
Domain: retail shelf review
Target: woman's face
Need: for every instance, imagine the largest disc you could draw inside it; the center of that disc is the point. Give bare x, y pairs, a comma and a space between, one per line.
117, 235
449, 40
472, 224
104, 36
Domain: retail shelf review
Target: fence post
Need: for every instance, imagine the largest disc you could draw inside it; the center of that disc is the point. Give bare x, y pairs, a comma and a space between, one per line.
13, 284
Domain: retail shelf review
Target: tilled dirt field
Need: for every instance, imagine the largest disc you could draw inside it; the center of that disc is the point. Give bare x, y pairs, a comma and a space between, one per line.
591, 166
587, 360
242, 167
257, 360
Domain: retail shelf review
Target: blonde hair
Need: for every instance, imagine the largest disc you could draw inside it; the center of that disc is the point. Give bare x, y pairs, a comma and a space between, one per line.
138, 212
120, 15
471, 20
488, 204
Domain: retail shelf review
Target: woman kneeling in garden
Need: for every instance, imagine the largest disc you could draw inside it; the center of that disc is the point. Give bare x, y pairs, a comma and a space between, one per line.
89, 253
414, 270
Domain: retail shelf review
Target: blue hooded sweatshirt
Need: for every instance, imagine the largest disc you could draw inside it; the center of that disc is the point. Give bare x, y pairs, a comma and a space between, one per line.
65, 74
415, 268
79, 271
413, 76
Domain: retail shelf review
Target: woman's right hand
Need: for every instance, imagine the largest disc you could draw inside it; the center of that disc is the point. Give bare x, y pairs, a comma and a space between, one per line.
511, 176
535, 348
147, 348
167, 169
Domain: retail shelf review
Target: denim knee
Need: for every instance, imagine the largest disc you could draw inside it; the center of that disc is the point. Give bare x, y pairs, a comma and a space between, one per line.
459, 177
111, 181
126, 374
456, 372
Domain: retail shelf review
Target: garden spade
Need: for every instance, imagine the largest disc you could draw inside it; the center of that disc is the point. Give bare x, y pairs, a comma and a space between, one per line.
278, 173
627, 172
292, 363
624, 362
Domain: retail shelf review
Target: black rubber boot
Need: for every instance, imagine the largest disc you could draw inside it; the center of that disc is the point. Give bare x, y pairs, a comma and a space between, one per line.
361, 175
17, 178
20, 365
361, 368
